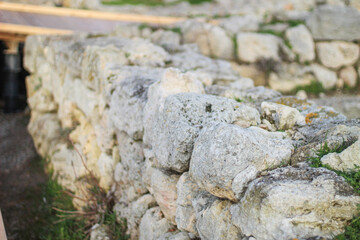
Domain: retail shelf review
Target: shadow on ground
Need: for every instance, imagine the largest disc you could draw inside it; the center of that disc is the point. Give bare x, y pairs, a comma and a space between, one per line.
21, 176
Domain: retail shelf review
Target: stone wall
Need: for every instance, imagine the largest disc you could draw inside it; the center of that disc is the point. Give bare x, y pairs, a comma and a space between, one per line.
189, 148
282, 50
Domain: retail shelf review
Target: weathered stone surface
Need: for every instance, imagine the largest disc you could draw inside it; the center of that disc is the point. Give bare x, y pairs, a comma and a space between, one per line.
153, 225
336, 54
128, 101
104, 131
256, 46
347, 105
163, 186
227, 157
282, 116
84, 136
181, 120
302, 43
76, 92
290, 75
249, 96
212, 40
313, 113
334, 23
132, 160
251, 71
318, 203
172, 81
214, 222
187, 190
347, 160
333, 134
124, 189
133, 212
96, 60
99, 232
349, 76
217, 70
236, 24
166, 39
42, 101
326, 77
44, 140
143, 53
106, 166
175, 236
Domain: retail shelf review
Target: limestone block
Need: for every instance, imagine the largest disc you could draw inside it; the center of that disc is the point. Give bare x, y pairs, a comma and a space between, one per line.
96, 59
163, 187
337, 53
212, 40
283, 116
127, 104
318, 203
132, 158
153, 225
185, 212
349, 76
331, 22
227, 157
326, 77
302, 42
256, 46
181, 120
215, 222
171, 82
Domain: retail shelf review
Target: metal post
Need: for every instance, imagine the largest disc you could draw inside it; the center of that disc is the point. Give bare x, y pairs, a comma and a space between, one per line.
11, 84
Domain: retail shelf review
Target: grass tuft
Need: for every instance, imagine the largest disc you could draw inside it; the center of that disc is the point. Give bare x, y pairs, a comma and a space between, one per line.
314, 87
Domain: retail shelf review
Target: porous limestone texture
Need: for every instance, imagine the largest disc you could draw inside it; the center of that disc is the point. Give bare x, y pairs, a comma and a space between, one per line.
225, 170
187, 146
290, 203
153, 224
181, 120
282, 116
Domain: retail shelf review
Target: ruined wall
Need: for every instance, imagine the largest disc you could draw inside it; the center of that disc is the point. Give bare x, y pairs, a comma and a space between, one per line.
189, 148
285, 49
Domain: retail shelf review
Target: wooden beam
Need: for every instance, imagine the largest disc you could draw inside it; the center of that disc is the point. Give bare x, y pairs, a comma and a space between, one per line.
67, 12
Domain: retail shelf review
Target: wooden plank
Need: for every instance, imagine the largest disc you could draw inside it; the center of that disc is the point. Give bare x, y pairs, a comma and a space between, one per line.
2, 228
67, 12
6, 28
12, 37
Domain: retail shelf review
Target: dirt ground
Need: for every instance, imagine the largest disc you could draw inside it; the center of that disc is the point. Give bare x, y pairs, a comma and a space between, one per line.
21, 175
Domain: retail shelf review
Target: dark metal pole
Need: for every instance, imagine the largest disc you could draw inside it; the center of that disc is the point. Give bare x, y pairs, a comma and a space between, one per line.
11, 84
